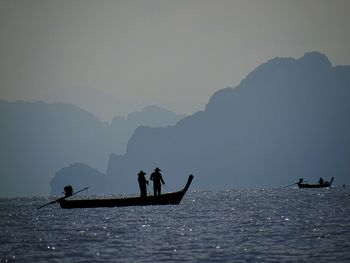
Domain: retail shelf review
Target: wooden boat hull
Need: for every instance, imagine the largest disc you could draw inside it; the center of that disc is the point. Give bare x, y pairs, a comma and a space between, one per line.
164, 199
313, 185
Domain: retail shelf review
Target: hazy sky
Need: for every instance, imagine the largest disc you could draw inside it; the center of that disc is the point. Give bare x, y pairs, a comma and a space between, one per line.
114, 57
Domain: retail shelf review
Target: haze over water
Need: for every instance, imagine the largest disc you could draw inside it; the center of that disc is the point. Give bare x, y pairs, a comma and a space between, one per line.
283, 115
263, 225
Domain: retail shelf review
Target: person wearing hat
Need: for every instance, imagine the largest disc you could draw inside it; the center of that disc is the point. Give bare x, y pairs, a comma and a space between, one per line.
142, 183
156, 177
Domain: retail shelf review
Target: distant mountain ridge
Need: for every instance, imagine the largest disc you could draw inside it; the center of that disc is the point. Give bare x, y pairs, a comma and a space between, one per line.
287, 119
39, 138
151, 116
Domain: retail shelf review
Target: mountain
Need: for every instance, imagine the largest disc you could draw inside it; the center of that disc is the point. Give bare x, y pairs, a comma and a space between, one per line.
38, 138
78, 175
152, 116
286, 120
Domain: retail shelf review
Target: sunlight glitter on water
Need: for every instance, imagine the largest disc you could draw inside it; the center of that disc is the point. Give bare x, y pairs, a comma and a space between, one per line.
270, 225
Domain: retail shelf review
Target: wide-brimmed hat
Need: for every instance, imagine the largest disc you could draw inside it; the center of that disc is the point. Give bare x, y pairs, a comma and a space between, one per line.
157, 169
141, 173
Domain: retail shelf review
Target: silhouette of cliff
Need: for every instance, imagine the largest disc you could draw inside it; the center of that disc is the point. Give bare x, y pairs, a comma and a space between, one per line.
287, 119
38, 138
152, 116
79, 175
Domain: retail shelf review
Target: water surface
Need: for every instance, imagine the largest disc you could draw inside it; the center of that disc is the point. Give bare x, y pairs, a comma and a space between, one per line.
265, 225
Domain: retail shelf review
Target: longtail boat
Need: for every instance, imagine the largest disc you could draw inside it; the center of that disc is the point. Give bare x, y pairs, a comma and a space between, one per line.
319, 185
173, 198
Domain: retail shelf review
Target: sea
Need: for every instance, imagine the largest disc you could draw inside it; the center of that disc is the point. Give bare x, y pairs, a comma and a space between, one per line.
251, 225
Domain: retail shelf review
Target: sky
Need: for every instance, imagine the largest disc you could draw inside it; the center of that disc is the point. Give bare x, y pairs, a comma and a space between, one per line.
115, 57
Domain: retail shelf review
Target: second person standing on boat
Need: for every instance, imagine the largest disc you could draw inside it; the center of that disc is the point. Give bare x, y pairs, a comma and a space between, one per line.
157, 178
142, 183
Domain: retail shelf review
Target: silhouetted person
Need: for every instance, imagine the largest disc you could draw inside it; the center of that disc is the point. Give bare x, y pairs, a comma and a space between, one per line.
68, 191
321, 181
156, 177
142, 183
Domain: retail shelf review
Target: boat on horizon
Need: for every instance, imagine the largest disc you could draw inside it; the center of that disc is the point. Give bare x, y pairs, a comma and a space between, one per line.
319, 185
173, 198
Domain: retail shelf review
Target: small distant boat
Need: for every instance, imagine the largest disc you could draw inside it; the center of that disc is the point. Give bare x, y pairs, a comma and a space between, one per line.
173, 198
319, 185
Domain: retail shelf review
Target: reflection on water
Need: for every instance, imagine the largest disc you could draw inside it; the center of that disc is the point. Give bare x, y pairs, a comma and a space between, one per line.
273, 225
